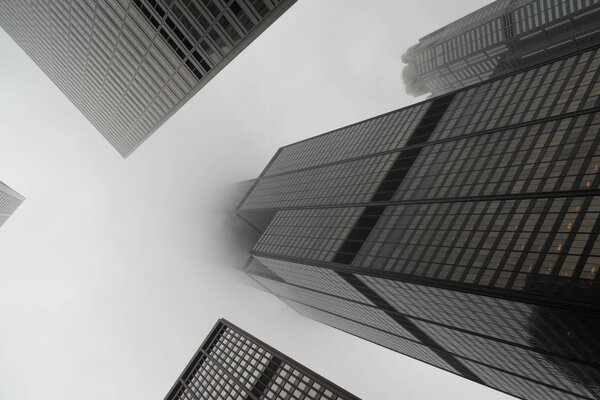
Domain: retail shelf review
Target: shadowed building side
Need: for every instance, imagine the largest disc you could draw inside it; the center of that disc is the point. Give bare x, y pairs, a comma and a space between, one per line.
129, 65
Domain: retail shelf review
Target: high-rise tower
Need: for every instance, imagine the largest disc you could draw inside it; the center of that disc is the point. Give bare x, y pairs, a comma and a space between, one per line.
504, 36
231, 364
9, 201
128, 65
462, 231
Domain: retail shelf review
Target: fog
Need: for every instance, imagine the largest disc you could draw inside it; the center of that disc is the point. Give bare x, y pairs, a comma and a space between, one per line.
113, 271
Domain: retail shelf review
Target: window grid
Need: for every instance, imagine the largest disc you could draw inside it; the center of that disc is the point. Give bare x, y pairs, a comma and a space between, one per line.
313, 234
521, 323
564, 86
496, 38
232, 365
128, 64
383, 133
314, 278
486, 242
9, 202
548, 157
350, 182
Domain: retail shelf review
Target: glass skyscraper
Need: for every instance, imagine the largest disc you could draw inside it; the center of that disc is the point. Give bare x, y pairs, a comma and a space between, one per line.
128, 65
231, 364
461, 231
502, 37
9, 201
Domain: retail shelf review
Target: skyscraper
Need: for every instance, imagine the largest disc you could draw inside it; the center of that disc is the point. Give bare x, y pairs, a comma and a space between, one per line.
502, 37
128, 65
231, 364
9, 202
461, 231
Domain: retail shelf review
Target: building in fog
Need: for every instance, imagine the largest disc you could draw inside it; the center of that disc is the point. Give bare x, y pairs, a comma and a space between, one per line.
461, 231
128, 65
231, 364
500, 38
9, 202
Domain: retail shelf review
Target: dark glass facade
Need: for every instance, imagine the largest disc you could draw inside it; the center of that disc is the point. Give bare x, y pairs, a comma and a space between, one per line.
502, 37
9, 202
128, 65
231, 364
461, 231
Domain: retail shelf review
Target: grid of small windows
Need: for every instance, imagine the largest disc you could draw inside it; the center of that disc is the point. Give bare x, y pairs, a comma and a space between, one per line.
314, 234
291, 383
9, 201
360, 312
547, 369
469, 50
501, 243
233, 365
210, 381
128, 64
549, 14
483, 14
482, 35
315, 278
240, 356
521, 362
526, 364
380, 337
228, 369
516, 385
386, 132
255, 267
350, 182
525, 324
563, 86
555, 156
183, 393
463, 53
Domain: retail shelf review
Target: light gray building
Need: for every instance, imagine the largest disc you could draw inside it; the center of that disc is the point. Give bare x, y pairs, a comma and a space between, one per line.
9, 202
128, 65
503, 37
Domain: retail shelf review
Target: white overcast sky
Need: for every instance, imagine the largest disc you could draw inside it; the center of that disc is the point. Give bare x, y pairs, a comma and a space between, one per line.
111, 272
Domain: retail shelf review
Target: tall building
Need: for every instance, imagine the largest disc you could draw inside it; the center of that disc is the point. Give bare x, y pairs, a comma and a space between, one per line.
502, 37
128, 65
462, 231
231, 364
9, 202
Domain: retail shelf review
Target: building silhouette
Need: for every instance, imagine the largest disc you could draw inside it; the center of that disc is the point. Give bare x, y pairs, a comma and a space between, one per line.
9, 202
128, 65
232, 364
503, 37
461, 231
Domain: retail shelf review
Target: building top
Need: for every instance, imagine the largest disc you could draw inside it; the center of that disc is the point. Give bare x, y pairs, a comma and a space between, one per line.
502, 37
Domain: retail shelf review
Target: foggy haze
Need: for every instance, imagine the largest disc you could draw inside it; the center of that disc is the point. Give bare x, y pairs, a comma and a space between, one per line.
113, 271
